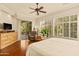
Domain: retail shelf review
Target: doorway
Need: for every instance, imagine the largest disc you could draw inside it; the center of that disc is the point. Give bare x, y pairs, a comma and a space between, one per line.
26, 27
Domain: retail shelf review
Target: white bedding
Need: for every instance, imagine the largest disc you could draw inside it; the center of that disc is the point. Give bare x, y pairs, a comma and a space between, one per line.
54, 47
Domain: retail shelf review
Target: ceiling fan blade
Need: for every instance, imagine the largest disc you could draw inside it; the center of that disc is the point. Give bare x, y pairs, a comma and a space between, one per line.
37, 13
32, 8
32, 12
41, 7
43, 11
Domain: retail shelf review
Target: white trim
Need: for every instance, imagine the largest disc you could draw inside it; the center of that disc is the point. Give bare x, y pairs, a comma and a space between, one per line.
78, 27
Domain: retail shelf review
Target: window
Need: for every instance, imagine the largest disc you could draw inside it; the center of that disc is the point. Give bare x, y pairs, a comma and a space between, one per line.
73, 26
58, 27
73, 18
47, 24
60, 30
73, 31
66, 27
55, 30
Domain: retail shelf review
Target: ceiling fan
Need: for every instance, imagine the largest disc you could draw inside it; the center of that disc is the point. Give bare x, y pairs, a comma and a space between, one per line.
38, 9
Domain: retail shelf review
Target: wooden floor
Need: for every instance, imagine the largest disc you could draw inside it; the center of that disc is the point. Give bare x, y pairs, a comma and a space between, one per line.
16, 49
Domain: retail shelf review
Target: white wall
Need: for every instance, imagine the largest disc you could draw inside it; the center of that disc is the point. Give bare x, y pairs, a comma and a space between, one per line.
5, 18
19, 30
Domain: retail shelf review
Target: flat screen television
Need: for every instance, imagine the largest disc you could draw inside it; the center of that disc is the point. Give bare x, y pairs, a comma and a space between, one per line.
7, 26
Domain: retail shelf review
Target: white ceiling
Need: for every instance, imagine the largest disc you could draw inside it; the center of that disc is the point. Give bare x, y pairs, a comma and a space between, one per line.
23, 12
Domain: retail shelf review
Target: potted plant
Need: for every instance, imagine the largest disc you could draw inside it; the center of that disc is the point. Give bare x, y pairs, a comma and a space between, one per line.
44, 32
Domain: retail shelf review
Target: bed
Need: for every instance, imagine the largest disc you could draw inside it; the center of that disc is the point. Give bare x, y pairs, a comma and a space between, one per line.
54, 47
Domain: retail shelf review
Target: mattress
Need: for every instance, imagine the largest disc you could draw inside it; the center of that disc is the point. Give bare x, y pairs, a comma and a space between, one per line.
54, 47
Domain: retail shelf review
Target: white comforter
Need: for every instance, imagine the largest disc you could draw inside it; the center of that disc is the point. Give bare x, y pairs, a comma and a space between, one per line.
54, 47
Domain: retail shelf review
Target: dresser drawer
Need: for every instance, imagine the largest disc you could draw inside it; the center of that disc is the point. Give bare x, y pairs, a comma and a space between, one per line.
7, 39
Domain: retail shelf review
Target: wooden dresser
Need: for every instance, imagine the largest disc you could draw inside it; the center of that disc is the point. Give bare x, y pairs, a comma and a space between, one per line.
7, 38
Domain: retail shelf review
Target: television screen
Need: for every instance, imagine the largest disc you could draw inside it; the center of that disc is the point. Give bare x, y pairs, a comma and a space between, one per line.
7, 26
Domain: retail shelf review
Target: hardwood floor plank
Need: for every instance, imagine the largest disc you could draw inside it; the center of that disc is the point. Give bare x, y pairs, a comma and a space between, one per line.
16, 49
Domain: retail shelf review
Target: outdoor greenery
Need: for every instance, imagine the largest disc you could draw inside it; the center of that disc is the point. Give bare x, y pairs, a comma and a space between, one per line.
25, 26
